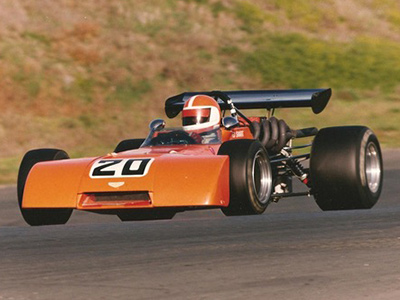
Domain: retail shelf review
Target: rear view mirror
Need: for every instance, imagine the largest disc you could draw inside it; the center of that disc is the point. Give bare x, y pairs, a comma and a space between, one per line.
157, 124
229, 122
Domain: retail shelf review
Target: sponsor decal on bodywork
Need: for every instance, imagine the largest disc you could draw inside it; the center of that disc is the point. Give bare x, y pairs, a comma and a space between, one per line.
116, 184
117, 168
238, 134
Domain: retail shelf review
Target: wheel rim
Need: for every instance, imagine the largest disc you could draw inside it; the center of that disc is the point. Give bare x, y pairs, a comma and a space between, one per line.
373, 168
262, 177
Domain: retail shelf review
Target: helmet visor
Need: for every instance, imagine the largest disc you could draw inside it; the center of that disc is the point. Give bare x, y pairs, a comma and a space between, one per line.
195, 116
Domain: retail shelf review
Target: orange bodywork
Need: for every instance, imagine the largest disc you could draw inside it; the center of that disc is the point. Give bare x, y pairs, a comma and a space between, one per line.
236, 134
175, 176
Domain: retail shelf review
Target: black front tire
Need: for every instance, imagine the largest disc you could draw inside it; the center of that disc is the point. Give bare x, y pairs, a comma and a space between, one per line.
130, 144
346, 168
40, 216
250, 177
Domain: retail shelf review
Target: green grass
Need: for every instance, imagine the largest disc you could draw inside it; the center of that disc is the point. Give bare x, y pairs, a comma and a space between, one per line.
9, 169
41, 38
250, 14
128, 91
298, 62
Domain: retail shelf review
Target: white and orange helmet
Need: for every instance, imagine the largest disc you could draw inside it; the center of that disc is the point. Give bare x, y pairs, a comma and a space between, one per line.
201, 113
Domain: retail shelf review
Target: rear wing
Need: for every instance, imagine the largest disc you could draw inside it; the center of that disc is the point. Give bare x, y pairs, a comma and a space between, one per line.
317, 99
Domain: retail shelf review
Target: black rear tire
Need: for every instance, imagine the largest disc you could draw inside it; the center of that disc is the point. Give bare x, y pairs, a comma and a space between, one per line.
146, 214
250, 177
346, 168
40, 216
130, 144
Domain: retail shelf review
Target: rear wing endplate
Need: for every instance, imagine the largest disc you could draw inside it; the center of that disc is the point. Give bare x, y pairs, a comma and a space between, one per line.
317, 99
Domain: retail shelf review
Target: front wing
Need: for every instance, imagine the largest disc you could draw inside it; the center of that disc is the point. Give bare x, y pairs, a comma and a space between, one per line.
170, 181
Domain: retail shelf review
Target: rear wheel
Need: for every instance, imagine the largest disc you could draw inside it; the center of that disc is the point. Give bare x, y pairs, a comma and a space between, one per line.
146, 214
250, 177
130, 144
346, 168
40, 216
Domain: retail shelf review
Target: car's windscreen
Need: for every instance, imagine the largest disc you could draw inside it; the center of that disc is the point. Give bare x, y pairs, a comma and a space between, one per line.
177, 136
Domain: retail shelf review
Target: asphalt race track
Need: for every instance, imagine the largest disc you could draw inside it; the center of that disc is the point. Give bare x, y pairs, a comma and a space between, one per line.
293, 251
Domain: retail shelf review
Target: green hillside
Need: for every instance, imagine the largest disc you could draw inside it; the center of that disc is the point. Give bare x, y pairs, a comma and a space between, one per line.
82, 75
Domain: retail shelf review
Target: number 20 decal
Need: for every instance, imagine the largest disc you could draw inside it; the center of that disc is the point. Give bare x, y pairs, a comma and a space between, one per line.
111, 168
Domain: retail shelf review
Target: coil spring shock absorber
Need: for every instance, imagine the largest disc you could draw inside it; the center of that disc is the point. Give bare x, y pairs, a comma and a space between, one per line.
298, 170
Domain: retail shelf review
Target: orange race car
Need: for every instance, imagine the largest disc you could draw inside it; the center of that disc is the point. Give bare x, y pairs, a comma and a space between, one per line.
236, 163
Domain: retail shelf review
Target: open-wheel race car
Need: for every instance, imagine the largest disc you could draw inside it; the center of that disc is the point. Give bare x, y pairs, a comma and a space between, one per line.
219, 158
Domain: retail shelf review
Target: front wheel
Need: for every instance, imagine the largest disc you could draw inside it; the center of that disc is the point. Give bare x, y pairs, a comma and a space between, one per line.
40, 216
346, 168
250, 177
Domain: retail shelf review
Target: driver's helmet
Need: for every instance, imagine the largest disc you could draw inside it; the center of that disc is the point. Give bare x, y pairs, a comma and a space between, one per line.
201, 113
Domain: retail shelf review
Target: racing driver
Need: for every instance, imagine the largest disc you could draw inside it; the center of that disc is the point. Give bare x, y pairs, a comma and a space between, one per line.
201, 118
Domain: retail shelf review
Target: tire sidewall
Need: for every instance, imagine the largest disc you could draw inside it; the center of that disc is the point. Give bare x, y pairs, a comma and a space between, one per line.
368, 198
257, 204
